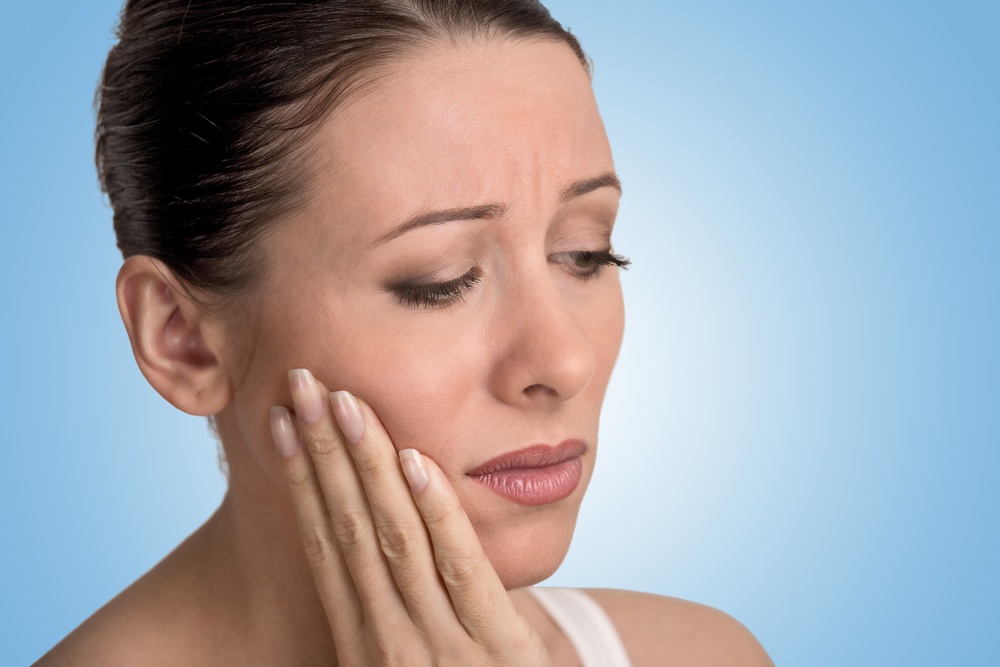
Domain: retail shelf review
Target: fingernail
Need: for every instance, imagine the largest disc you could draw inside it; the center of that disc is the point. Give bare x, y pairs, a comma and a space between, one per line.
414, 469
308, 400
348, 414
286, 441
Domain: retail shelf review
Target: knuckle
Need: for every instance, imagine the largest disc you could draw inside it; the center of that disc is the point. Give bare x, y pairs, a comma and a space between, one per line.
522, 641
368, 465
298, 475
317, 545
460, 571
387, 655
321, 444
392, 648
440, 514
399, 542
350, 528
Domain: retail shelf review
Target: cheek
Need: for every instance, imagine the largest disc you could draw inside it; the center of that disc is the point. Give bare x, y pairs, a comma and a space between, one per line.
425, 375
420, 383
611, 343
604, 322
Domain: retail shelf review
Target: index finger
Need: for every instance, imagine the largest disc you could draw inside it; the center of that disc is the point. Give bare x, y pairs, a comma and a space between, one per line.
477, 594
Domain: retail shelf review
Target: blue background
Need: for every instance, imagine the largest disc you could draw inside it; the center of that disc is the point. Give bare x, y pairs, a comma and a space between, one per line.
804, 428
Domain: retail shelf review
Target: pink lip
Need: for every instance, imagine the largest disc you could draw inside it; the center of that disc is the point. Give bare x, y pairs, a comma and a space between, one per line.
535, 475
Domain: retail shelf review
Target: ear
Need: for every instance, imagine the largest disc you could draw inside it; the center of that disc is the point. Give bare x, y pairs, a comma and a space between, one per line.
175, 344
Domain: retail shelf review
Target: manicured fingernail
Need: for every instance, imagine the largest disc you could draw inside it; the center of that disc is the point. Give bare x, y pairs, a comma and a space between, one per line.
286, 441
414, 469
348, 414
308, 399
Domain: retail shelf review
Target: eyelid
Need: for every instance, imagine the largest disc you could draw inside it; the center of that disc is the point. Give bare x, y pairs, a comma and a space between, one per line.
435, 294
422, 293
604, 256
593, 234
587, 264
437, 276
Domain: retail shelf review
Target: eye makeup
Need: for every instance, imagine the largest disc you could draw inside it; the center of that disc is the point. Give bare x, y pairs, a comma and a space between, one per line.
587, 264
436, 295
583, 264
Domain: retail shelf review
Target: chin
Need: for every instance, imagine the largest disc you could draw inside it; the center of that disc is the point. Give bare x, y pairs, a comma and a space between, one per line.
526, 554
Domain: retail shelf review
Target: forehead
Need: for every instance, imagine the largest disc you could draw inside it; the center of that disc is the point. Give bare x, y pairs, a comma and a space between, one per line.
454, 124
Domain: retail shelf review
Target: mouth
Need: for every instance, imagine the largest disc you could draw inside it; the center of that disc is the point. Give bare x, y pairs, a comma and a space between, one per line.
535, 475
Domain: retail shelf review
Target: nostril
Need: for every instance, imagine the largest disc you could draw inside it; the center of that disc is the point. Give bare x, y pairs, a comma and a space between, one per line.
540, 390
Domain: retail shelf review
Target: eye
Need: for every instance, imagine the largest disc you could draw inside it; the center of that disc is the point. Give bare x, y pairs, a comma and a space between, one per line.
436, 295
587, 264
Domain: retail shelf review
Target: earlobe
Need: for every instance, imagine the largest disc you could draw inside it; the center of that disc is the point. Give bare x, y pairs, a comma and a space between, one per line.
176, 346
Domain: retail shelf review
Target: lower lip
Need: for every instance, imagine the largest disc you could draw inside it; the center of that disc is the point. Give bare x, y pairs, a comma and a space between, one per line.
534, 486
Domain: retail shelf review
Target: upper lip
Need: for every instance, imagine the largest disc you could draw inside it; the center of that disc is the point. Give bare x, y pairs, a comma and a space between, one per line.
534, 456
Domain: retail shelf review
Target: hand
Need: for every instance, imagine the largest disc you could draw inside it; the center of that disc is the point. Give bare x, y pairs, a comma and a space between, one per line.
399, 568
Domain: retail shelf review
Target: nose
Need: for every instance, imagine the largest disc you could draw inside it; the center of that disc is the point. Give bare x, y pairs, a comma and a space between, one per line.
546, 357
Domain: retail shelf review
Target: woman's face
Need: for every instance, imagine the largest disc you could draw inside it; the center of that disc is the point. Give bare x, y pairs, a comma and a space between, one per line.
470, 337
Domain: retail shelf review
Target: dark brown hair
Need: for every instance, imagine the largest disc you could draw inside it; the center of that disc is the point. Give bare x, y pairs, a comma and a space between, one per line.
204, 107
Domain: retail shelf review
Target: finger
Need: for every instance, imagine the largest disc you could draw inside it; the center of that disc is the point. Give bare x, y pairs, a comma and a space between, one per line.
350, 517
333, 580
477, 594
399, 527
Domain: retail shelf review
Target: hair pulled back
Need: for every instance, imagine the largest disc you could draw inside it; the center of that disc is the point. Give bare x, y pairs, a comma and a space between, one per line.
204, 107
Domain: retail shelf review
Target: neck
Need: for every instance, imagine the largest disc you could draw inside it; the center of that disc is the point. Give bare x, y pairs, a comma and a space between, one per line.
254, 576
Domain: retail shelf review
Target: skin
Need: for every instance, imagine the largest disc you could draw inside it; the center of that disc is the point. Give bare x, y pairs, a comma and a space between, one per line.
522, 357
526, 356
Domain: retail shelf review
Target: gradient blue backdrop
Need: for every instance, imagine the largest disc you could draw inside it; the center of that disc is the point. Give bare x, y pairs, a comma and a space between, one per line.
804, 426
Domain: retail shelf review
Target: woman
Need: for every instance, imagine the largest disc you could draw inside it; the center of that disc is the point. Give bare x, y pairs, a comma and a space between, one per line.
410, 203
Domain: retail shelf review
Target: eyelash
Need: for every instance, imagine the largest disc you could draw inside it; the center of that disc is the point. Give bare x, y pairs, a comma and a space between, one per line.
584, 264
588, 263
437, 295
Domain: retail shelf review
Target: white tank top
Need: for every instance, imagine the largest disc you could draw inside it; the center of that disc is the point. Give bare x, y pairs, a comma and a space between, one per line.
586, 624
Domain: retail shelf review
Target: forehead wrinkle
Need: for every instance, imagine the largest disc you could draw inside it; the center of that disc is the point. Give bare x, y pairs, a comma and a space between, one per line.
486, 156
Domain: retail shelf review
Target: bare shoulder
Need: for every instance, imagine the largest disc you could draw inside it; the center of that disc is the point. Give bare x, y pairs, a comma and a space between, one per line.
661, 630
120, 633
158, 620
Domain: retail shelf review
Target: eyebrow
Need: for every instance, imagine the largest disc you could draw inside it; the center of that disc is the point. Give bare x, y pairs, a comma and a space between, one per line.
495, 211
485, 212
588, 185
